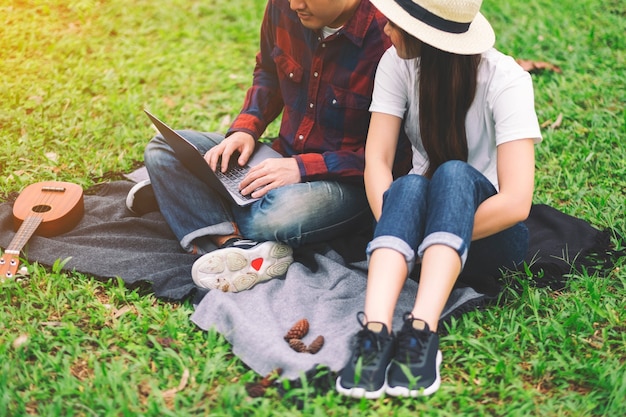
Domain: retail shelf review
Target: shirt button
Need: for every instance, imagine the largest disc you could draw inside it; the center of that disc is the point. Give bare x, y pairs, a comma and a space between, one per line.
323, 45
311, 105
315, 74
334, 101
291, 75
301, 137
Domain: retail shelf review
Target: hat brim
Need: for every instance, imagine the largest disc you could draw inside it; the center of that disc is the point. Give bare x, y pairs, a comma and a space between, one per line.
479, 38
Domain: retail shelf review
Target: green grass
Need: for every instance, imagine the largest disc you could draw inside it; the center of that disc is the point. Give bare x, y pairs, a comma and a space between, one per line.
74, 78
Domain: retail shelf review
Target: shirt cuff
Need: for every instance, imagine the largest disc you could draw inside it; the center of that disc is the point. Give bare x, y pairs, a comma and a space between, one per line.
311, 165
246, 123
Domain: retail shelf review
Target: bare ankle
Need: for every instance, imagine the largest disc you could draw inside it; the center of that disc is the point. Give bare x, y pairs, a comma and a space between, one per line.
220, 240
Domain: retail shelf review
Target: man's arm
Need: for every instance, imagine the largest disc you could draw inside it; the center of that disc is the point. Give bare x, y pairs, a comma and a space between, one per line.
263, 103
344, 164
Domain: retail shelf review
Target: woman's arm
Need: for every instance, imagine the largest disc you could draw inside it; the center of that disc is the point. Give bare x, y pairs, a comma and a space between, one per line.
516, 179
380, 149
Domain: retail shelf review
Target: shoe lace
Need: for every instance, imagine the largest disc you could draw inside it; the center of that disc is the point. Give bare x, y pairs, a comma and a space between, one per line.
368, 342
411, 343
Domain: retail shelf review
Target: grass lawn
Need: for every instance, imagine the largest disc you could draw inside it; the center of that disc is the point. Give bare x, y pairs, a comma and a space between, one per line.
74, 78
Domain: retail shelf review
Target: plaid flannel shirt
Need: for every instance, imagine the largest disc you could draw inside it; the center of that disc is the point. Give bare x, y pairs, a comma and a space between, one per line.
323, 88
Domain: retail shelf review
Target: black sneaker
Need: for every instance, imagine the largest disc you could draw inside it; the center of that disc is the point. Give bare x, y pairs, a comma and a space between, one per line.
414, 370
241, 264
140, 199
364, 375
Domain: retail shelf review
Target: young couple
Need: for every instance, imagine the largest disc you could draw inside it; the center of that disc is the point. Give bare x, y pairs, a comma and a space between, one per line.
468, 111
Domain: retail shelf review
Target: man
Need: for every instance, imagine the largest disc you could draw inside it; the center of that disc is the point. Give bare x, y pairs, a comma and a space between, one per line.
316, 65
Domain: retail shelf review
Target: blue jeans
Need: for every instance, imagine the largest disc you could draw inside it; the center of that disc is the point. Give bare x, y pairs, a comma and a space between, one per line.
418, 213
296, 214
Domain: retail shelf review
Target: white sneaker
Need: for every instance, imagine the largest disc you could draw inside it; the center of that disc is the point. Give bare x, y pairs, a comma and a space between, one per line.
241, 265
140, 199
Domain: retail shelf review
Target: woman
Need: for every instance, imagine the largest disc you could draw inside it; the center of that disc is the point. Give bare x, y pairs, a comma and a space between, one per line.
469, 113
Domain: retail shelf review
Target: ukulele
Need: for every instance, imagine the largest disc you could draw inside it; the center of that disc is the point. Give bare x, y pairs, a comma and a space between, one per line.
49, 208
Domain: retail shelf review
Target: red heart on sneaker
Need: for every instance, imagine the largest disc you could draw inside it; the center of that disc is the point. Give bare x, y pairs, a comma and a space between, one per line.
256, 263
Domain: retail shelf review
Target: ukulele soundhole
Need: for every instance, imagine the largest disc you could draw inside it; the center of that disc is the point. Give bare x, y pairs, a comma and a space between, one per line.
41, 208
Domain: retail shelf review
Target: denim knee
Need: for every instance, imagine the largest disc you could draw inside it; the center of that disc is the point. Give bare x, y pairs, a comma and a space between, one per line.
455, 172
409, 185
154, 151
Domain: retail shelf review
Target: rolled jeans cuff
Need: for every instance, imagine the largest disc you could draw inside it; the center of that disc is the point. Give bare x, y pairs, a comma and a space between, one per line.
447, 239
397, 244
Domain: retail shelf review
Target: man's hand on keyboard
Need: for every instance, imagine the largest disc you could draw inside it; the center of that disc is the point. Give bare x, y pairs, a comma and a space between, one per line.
269, 174
239, 142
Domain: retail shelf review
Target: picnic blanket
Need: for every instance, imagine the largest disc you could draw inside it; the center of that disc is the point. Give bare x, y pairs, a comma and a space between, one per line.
326, 283
110, 241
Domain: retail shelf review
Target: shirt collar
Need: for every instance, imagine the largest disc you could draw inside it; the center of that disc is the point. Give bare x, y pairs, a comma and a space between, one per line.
357, 26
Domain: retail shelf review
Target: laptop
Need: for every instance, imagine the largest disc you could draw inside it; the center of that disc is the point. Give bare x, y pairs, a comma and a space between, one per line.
226, 183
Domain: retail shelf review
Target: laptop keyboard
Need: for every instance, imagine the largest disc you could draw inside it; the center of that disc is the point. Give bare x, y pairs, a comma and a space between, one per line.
233, 177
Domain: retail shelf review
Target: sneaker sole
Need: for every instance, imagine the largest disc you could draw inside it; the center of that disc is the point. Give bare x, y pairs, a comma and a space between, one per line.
139, 200
358, 392
431, 389
236, 269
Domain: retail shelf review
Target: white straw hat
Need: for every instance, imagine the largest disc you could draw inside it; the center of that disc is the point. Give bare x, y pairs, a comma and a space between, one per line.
454, 26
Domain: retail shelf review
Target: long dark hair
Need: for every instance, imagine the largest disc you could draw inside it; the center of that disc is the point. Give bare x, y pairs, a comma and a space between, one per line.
447, 86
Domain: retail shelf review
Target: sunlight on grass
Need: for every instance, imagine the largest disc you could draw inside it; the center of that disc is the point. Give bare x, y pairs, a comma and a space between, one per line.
75, 76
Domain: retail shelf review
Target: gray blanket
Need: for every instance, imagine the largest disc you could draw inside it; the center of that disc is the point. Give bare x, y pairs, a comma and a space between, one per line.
111, 242
325, 285
322, 289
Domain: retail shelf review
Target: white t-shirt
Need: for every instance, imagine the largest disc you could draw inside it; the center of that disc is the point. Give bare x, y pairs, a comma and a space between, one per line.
503, 109
326, 31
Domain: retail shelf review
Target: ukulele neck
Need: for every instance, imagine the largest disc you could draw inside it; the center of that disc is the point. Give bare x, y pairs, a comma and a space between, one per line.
26, 230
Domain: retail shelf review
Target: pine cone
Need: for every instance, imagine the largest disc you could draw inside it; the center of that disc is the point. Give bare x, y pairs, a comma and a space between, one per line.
297, 345
255, 390
271, 377
316, 345
298, 331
